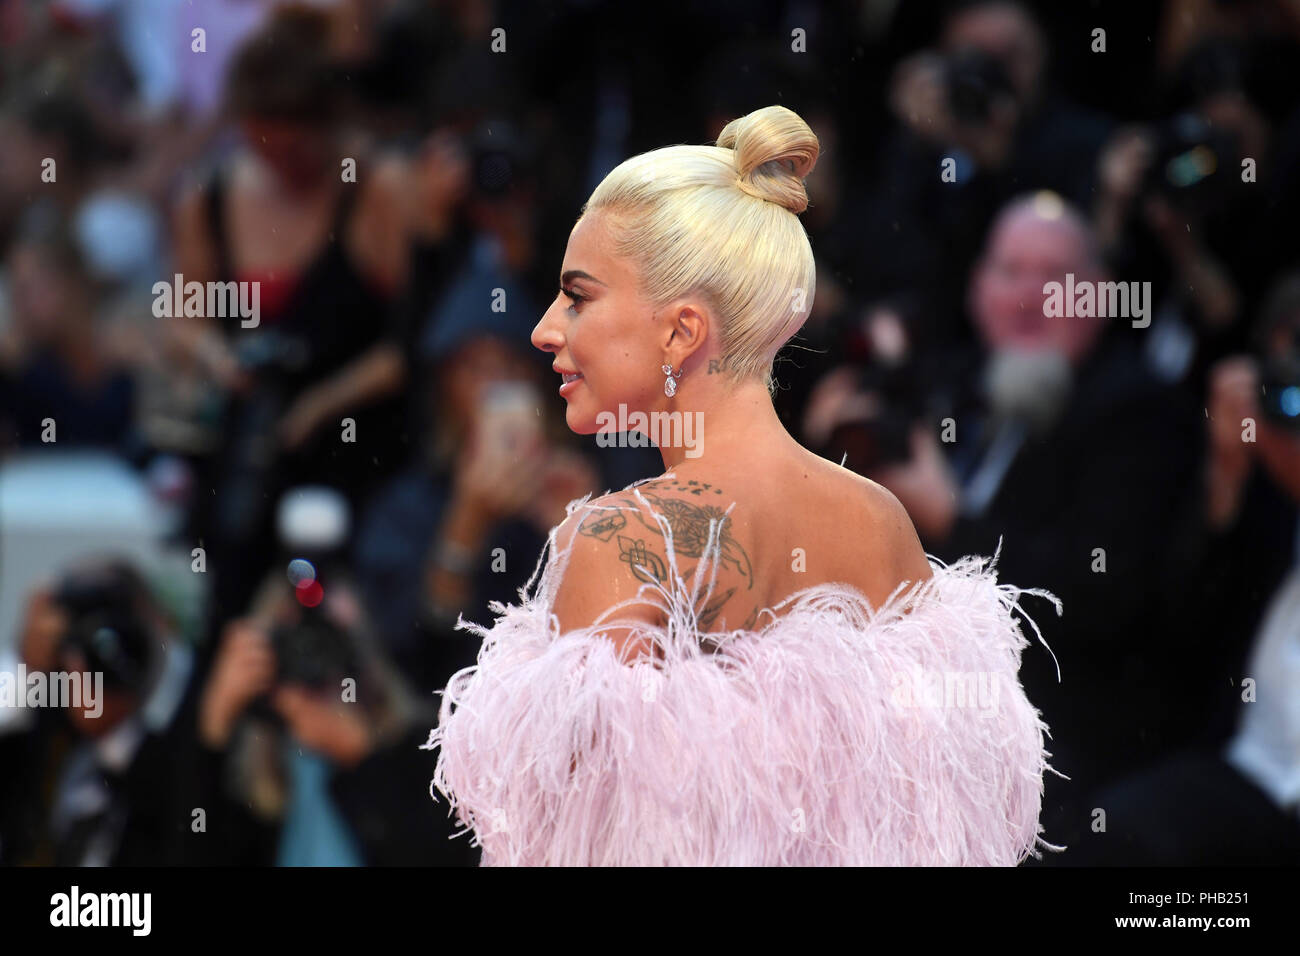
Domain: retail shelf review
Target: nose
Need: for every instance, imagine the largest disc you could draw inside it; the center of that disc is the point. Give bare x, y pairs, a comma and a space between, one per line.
548, 334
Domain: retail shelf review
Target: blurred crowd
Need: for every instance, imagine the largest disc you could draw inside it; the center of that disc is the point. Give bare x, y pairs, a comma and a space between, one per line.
379, 452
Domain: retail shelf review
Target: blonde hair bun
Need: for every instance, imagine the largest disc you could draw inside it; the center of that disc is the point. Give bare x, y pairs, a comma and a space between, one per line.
715, 221
775, 151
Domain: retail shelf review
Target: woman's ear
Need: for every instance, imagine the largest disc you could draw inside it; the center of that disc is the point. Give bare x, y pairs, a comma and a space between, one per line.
686, 329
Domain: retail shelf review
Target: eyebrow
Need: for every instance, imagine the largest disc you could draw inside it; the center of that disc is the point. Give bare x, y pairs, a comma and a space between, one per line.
579, 274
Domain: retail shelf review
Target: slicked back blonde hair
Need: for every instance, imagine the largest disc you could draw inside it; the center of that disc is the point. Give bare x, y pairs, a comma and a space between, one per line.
722, 222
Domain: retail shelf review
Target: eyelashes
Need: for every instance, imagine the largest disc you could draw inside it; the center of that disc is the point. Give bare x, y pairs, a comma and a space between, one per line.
577, 299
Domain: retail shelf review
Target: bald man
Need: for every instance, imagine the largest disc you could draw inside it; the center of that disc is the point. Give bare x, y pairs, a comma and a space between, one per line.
1070, 453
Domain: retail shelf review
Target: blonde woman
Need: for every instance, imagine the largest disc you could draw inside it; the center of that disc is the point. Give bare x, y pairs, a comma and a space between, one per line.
748, 660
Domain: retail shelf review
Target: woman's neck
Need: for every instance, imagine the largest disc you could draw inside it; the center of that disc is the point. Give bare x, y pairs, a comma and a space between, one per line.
732, 422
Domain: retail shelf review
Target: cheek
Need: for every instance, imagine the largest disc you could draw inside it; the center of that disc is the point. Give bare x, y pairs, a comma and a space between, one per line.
616, 356
622, 376
1018, 309
1021, 295
990, 309
599, 356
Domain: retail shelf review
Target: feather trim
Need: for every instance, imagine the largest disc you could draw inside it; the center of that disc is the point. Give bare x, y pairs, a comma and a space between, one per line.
835, 734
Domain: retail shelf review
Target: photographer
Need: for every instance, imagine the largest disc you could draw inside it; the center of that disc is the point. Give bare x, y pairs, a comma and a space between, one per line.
308, 740
977, 123
1234, 798
865, 410
93, 786
1183, 202
328, 258
427, 549
1061, 443
462, 525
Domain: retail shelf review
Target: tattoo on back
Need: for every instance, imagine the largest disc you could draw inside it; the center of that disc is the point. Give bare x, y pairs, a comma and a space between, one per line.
645, 564
642, 547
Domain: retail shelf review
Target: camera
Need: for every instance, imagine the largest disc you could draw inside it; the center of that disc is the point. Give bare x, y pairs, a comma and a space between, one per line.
107, 627
314, 652
973, 82
273, 353
500, 160
1191, 164
889, 381
884, 437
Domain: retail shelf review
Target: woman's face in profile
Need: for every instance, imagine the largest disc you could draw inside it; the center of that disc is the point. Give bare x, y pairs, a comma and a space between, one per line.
601, 331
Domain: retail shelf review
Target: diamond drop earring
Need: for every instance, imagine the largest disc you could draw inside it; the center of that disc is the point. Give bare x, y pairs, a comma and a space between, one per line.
670, 383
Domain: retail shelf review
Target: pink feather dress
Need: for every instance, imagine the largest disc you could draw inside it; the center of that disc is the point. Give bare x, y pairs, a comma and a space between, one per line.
834, 734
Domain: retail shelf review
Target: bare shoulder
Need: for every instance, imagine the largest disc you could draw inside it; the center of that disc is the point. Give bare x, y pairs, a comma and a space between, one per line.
653, 536
900, 554
884, 506
607, 550
636, 528
609, 558
596, 520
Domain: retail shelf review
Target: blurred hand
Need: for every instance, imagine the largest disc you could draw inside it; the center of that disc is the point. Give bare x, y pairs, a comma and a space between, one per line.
835, 399
126, 345
43, 626
441, 177
324, 724
190, 343
990, 142
1123, 162
492, 484
1214, 290
566, 475
1172, 228
304, 418
244, 669
919, 98
924, 484
1233, 397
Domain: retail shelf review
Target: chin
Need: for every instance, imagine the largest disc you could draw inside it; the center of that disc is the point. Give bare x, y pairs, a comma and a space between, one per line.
579, 421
